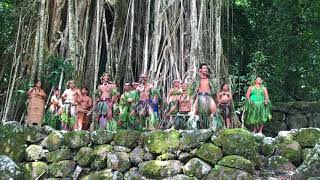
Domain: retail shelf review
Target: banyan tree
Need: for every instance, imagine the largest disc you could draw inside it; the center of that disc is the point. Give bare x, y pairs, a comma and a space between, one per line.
81, 39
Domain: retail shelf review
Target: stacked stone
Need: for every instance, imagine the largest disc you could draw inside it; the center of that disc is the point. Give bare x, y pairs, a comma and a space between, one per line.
169, 154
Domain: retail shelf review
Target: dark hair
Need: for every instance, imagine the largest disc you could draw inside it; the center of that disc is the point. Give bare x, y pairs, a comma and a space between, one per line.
203, 64
223, 85
56, 89
86, 88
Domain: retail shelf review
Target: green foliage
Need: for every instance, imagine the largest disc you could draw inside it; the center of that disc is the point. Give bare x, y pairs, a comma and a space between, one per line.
279, 41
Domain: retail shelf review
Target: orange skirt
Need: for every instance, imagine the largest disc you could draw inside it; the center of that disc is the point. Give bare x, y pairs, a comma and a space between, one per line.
35, 111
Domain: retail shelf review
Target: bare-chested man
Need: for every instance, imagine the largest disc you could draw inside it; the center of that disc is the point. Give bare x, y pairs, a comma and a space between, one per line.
107, 92
204, 105
185, 105
144, 108
84, 105
70, 99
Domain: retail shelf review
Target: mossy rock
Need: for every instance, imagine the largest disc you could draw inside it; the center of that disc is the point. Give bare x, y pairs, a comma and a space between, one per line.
118, 161
197, 168
9, 169
128, 138
181, 177
290, 150
102, 137
307, 137
209, 153
12, 141
161, 142
305, 153
100, 156
133, 174
279, 165
84, 156
192, 139
309, 167
62, 169
137, 155
160, 169
35, 152
222, 173
53, 141
286, 135
59, 155
34, 134
268, 146
76, 139
166, 156
237, 162
239, 142
106, 174
34, 170
122, 149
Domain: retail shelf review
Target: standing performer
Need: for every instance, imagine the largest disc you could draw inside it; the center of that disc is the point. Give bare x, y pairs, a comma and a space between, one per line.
185, 104
173, 104
36, 105
55, 110
84, 106
144, 109
224, 97
70, 98
127, 99
257, 108
107, 91
204, 106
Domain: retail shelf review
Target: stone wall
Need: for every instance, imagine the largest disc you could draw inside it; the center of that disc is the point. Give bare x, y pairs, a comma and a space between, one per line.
173, 155
293, 115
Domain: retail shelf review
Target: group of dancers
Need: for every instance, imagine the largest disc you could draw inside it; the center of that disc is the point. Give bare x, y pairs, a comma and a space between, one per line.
198, 104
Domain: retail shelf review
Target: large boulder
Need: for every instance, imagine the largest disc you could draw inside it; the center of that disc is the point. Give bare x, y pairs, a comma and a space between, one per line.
239, 142
277, 124
102, 137
59, 155
210, 153
268, 146
76, 139
222, 173
180, 177
118, 161
136, 155
307, 137
9, 169
34, 170
197, 168
62, 169
35, 152
237, 162
297, 121
129, 138
305, 153
314, 119
278, 165
192, 139
107, 174
160, 142
53, 141
160, 169
133, 174
309, 167
12, 141
290, 150
34, 134
84, 156
100, 156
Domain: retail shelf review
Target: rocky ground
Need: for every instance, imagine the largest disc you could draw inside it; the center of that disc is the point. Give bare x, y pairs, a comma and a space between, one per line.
172, 155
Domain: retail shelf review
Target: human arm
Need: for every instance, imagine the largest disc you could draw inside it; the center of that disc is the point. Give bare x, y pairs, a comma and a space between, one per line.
248, 93
266, 96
